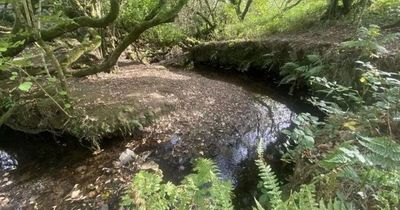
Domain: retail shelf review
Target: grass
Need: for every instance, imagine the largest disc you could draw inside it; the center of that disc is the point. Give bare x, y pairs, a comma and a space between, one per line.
266, 18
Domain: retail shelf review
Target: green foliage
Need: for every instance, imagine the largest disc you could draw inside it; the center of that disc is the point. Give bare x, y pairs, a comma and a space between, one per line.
26, 86
21, 87
147, 192
164, 35
302, 135
135, 11
359, 142
304, 199
269, 186
200, 190
299, 73
266, 17
204, 190
383, 12
368, 42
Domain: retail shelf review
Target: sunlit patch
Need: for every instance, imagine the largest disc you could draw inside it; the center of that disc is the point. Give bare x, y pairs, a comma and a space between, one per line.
7, 161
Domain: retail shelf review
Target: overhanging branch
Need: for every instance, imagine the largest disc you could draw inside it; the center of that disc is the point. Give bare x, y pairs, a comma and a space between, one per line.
74, 24
163, 16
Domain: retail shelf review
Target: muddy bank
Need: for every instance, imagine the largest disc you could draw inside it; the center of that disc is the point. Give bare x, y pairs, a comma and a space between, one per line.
208, 115
265, 56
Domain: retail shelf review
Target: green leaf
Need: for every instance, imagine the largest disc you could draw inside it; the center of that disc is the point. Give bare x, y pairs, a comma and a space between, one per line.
26, 86
313, 58
62, 93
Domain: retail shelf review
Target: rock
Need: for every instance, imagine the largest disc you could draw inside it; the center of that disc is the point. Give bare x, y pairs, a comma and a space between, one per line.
149, 165
4, 201
127, 156
81, 169
104, 207
75, 194
92, 194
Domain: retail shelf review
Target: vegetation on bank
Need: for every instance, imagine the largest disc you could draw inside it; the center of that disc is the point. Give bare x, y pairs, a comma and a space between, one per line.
349, 160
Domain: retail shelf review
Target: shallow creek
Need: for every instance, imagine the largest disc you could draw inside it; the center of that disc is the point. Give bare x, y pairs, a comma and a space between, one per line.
54, 171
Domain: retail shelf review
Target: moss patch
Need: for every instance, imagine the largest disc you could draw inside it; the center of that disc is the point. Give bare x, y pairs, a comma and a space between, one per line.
261, 55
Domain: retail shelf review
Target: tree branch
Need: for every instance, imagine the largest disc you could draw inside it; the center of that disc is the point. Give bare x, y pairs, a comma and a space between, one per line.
159, 18
76, 23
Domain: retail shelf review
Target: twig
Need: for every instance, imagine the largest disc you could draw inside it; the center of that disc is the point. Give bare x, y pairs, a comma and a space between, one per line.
7, 115
46, 93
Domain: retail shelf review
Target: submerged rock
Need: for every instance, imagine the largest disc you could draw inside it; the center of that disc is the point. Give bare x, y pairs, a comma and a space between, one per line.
7, 161
127, 156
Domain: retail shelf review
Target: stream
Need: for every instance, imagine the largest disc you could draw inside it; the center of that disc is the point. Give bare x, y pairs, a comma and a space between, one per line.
56, 171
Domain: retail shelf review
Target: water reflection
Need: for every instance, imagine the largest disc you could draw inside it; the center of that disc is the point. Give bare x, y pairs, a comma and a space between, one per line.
7, 161
272, 117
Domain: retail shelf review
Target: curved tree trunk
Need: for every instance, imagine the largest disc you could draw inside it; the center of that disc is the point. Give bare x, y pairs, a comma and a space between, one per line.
156, 17
112, 59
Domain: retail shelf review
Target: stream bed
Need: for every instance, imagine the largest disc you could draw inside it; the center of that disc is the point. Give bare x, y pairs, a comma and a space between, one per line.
221, 116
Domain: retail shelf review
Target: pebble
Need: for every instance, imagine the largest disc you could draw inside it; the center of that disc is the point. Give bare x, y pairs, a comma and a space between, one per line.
75, 194
92, 194
4, 201
127, 156
81, 169
104, 207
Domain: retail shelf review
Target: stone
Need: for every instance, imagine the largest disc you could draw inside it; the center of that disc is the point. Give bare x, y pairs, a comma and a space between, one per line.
127, 156
75, 194
92, 194
81, 169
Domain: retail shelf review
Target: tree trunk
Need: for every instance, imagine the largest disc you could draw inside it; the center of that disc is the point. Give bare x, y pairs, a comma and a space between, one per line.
346, 6
50, 34
78, 51
155, 17
333, 9
246, 9
112, 59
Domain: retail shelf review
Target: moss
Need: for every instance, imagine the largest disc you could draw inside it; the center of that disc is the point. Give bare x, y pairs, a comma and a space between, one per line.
243, 55
42, 115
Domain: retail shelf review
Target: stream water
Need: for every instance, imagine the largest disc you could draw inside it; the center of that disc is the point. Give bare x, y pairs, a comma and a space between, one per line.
42, 170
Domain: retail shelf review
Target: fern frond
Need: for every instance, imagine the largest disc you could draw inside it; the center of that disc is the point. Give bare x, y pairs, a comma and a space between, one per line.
350, 173
303, 199
269, 182
336, 204
384, 151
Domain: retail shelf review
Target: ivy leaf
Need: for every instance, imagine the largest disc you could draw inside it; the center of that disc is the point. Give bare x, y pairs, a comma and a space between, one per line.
26, 86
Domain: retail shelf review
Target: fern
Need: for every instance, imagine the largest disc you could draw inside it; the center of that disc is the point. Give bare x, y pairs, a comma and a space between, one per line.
205, 187
202, 190
147, 192
383, 151
304, 199
270, 189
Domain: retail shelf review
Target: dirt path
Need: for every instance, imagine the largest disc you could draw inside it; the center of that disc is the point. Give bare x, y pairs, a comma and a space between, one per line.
197, 116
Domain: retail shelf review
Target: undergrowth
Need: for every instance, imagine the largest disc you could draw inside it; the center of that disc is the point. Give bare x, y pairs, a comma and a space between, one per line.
350, 160
200, 190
